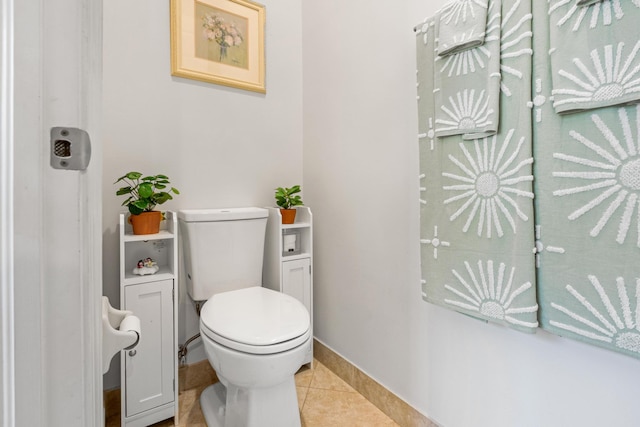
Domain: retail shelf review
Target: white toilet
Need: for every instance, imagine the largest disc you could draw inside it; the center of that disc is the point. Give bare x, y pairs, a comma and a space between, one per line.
255, 338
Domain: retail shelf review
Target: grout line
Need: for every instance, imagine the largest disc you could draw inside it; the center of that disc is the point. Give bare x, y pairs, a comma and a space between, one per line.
304, 401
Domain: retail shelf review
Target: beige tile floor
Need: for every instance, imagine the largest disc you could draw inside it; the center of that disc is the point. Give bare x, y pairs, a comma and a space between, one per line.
323, 398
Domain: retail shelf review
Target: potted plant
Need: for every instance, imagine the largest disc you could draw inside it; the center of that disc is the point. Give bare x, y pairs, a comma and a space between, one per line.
286, 199
144, 193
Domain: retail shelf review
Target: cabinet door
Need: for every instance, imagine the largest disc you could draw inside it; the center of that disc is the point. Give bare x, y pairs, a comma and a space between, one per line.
149, 373
296, 280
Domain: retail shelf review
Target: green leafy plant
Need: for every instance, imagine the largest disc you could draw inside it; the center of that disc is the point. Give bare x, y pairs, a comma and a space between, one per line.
144, 193
286, 198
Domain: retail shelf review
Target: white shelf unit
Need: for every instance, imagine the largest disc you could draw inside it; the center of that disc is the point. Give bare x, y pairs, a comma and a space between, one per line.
291, 272
149, 372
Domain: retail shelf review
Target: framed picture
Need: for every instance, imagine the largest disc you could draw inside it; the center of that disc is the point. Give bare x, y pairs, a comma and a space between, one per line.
219, 41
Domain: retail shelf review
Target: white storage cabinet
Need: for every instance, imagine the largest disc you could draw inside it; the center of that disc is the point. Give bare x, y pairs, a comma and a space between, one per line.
288, 267
149, 372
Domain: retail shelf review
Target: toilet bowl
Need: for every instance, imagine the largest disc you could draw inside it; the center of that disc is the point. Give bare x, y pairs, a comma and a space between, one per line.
255, 339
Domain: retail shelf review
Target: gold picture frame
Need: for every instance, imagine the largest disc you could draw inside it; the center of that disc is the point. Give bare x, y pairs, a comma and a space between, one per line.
219, 41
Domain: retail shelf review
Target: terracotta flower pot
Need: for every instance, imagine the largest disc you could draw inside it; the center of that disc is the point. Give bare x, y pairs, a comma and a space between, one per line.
288, 216
146, 222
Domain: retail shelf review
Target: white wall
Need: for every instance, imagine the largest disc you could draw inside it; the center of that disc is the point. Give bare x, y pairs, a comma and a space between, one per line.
220, 146
361, 179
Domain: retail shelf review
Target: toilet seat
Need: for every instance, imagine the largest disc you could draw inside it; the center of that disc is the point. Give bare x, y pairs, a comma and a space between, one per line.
255, 320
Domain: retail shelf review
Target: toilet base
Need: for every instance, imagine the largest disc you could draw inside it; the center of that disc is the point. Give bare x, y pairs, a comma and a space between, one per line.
212, 402
266, 407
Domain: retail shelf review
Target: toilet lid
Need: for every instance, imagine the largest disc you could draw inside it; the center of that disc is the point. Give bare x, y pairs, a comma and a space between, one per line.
255, 320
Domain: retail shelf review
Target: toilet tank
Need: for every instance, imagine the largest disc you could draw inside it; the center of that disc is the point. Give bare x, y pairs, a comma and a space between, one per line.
223, 249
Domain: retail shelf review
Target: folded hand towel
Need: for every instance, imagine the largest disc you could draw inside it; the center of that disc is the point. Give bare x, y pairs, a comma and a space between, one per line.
595, 54
467, 85
462, 26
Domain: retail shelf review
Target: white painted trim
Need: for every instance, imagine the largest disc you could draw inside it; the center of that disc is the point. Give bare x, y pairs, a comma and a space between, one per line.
7, 342
67, 315
27, 226
72, 61
91, 205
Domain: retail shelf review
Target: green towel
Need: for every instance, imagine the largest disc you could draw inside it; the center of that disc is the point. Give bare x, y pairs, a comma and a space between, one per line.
587, 189
586, 2
467, 84
595, 54
481, 253
477, 232
462, 26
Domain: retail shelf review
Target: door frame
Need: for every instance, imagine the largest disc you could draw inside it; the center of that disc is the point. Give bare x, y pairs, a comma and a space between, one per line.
7, 345
54, 283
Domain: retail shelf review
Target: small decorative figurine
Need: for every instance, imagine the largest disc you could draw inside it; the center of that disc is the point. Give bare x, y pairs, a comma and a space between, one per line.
146, 266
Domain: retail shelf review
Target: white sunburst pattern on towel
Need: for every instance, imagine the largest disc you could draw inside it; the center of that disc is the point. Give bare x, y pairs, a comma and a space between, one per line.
488, 182
468, 113
424, 29
460, 9
538, 101
470, 60
492, 294
611, 170
618, 326
540, 246
608, 78
423, 189
602, 12
435, 242
512, 35
430, 134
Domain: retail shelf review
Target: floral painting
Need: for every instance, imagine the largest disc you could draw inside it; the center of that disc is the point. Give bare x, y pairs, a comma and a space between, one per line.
222, 37
219, 41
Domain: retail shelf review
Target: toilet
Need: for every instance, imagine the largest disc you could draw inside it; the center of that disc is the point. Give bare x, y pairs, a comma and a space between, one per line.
255, 338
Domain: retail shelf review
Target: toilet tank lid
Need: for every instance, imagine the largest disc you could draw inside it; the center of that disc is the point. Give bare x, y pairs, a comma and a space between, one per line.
226, 214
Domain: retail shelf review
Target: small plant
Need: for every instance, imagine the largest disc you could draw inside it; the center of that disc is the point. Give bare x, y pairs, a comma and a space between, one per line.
286, 199
144, 193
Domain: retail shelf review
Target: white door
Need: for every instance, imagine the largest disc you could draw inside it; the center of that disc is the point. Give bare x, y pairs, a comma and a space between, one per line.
56, 213
296, 280
149, 368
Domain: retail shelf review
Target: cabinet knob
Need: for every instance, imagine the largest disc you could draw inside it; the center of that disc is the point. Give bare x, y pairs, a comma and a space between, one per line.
132, 353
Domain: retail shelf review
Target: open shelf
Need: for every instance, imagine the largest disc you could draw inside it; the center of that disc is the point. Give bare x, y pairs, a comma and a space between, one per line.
163, 234
296, 256
296, 225
134, 279
160, 247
